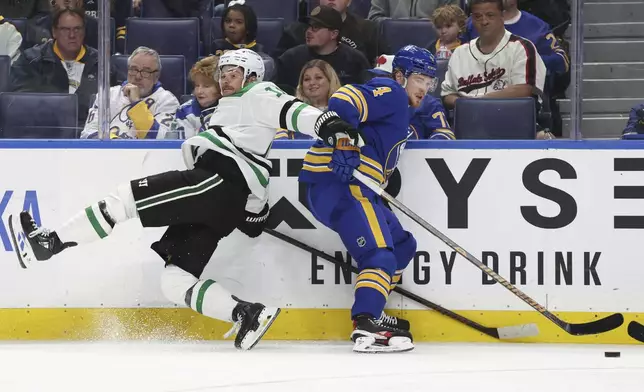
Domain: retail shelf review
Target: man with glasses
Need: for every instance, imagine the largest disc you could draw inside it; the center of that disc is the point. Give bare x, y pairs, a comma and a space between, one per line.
63, 65
140, 108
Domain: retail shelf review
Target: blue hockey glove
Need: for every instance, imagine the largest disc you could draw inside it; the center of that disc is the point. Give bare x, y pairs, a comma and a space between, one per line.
345, 159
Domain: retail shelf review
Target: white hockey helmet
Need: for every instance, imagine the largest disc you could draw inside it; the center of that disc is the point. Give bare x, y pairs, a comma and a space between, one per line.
246, 59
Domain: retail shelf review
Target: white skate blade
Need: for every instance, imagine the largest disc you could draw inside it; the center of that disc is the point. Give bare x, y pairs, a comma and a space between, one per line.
266, 319
21, 245
367, 345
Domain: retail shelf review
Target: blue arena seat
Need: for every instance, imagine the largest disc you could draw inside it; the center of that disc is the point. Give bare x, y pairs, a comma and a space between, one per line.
441, 70
400, 32
185, 98
173, 72
495, 118
269, 32
287, 9
168, 36
5, 70
38, 116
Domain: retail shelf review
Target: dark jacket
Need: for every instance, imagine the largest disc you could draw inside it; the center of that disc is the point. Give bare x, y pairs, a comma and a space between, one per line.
221, 46
120, 11
40, 70
22, 8
186, 8
348, 63
38, 31
356, 32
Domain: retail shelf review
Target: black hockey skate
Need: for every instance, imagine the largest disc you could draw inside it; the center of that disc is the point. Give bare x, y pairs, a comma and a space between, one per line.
394, 322
251, 321
33, 243
370, 335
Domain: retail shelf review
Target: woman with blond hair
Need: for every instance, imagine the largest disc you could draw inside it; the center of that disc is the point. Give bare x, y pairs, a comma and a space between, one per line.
317, 83
192, 116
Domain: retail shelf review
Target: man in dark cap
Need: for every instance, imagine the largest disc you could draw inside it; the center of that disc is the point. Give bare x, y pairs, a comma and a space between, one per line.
323, 43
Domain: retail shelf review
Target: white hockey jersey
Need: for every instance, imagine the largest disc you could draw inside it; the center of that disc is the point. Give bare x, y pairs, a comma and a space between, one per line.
243, 127
150, 118
514, 61
189, 120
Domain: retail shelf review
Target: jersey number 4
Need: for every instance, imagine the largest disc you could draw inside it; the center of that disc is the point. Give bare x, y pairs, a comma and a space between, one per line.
381, 91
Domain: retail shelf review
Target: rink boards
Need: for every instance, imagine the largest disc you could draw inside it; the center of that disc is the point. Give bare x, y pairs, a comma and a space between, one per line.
565, 224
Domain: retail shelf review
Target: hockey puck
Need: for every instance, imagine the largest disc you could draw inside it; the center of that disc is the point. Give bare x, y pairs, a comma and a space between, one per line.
612, 354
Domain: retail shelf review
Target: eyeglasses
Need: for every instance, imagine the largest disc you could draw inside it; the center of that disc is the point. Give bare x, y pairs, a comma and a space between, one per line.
143, 73
68, 30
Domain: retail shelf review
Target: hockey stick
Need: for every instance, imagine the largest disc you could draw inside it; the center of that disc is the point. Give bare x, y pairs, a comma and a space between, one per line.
636, 331
519, 331
591, 328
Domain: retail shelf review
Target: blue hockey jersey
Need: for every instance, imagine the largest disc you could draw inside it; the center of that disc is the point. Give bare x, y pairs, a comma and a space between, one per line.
380, 110
429, 121
536, 31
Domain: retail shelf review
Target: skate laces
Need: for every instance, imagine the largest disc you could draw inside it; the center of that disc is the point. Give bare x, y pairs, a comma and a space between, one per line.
391, 320
38, 231
235, 328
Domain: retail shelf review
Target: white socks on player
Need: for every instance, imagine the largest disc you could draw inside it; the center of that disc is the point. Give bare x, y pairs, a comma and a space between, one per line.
207, 296
97, 221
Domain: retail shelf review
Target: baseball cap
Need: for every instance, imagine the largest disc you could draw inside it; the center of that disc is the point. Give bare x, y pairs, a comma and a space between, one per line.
325, 16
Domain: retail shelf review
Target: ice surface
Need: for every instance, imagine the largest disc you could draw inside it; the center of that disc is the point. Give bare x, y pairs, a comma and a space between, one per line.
312, 366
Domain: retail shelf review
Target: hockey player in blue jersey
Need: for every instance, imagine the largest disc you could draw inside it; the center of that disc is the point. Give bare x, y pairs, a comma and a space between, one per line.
376, 116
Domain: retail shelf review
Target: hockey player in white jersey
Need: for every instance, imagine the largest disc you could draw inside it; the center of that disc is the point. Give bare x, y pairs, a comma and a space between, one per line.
140, 108
227, 166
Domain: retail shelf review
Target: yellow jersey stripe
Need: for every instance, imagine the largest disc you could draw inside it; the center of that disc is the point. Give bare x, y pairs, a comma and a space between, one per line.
365, 113
368, 170
322, 150
375, 277
370, 213
316, 169
344, 98
372, 285
317, 159
370, 161
356, 99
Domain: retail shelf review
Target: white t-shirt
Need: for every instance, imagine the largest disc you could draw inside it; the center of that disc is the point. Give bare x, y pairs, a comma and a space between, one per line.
514, 61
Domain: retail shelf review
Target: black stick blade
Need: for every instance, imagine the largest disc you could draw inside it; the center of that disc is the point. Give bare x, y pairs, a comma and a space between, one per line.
636, 331
594, 327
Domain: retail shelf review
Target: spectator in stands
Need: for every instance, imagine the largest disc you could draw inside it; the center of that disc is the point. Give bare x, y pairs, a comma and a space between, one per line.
192, 117
318, 81
449, 21
403, 9
322, 42
64, 65
140, 107
10, 40
635, 124
239, 25
528, 26
22, 9
498, 64
355, 31
39, 28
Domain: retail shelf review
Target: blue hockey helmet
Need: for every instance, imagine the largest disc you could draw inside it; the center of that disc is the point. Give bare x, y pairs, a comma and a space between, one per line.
411, 59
